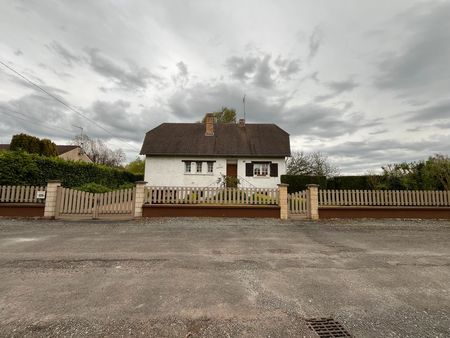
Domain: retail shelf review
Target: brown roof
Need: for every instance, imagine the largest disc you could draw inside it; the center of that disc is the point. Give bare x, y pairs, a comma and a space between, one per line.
253, 140
61, 149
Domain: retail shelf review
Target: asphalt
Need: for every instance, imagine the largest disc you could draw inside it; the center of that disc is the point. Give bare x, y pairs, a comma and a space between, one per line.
223, 278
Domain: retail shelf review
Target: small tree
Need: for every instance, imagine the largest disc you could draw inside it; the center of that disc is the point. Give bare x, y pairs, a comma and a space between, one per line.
312, 164
48, 148
99, 152
437, 169
225, 115
33, 145
136, 167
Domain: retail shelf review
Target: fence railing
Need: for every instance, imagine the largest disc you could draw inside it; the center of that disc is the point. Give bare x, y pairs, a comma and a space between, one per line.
298, 202
20, 194
384, 198
211, 195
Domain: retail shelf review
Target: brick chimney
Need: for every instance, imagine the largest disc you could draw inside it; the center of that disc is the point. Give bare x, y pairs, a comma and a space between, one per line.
241, 123
209, 123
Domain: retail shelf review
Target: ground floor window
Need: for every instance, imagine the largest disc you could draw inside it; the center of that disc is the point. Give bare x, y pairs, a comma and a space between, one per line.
261, 169
187, 167
210, 167
199, 166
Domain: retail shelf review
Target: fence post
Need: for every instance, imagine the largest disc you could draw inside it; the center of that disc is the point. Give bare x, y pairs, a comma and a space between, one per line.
283, 200
313, 201
50, 198
139, 196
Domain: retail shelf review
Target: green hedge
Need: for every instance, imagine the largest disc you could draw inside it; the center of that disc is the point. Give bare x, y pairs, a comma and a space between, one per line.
349, 182
299, 182
20, 168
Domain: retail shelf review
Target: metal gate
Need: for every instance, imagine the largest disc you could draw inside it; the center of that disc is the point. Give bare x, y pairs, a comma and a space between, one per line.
72, 203
298, 204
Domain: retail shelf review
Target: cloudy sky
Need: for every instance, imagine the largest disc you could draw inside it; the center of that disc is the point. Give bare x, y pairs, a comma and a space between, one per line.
367, 82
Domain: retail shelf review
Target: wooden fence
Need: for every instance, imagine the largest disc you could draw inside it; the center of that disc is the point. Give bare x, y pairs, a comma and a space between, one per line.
384, 198
20, 194
211, 195
298, 202
72, 202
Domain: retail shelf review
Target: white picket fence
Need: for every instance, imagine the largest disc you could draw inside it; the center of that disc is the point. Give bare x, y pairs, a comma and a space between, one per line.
211, 195
20, 194
298, 202
384, 198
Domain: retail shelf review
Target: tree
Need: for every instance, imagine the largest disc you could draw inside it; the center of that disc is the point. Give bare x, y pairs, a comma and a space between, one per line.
225, 115
136, 167
437, 169
310, 164
33, 145
99, 152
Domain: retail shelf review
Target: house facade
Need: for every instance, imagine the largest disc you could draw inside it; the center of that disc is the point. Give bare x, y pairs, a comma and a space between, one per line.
200, 154
66, 152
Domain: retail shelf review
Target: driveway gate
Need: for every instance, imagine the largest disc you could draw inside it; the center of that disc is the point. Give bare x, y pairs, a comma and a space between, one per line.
72, 203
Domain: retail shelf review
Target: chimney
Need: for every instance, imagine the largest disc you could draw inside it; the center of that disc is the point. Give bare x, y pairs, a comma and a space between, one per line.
209, 123
241, 123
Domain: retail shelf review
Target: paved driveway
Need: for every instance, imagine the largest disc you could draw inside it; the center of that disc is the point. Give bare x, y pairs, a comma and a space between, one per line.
223, 278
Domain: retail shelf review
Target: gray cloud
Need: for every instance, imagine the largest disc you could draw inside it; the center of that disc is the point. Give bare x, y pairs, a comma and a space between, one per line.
439, 111
18, 52
182, 76
241, 68
63, 52
315, 40
133, 78
421, 67
337, 88
263, 74
287, 68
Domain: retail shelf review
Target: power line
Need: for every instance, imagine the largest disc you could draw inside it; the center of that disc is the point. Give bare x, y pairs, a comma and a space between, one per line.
33, 119
64, 103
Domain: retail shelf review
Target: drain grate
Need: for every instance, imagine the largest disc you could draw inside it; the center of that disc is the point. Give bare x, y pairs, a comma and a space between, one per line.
327, 328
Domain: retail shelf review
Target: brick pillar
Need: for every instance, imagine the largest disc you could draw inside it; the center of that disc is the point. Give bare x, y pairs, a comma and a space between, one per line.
313, 201
283, 201
50, 199
139, 198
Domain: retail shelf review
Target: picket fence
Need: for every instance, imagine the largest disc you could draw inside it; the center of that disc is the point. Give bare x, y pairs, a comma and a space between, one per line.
384, 198
20, 194
298, 202
211, 195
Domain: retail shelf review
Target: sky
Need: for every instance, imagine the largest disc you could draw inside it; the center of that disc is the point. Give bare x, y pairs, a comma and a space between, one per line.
365, 82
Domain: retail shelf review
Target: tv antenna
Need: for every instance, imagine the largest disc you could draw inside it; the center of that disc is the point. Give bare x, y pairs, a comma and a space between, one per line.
81, 136
243, 102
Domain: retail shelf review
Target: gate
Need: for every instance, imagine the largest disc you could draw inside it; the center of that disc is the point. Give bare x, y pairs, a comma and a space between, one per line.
72, 203
298, 204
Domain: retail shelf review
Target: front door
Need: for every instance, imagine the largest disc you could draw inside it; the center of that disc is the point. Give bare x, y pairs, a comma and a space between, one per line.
231, 175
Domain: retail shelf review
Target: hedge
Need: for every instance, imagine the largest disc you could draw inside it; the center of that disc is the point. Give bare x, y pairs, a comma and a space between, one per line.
299, 182
20, 168
349, 182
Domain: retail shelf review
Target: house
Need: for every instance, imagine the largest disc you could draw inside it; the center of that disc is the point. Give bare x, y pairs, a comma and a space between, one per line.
198, 154
66, 152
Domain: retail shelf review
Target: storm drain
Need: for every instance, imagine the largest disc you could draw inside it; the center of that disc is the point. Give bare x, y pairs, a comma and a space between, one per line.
327, 328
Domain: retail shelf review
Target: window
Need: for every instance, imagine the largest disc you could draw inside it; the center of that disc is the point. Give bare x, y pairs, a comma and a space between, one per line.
210, 167
187, 167
199, 167
261, 169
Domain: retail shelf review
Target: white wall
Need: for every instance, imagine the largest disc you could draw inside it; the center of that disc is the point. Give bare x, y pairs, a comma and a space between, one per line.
169, 171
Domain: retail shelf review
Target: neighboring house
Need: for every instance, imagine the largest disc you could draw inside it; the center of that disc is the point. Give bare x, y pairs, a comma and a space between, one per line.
66, 152
197, 154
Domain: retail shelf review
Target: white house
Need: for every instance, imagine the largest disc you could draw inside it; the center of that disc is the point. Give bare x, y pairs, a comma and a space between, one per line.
198, 154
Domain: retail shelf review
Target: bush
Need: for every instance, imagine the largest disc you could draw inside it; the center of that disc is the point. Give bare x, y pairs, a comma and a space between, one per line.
20, 168
350, 183
300, 182
94, 188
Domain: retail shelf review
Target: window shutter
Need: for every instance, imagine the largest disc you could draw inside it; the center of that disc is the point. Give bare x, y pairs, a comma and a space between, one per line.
273, 169
249, 169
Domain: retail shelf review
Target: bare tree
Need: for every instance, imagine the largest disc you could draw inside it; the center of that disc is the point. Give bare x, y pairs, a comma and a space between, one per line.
312, 164
99, 152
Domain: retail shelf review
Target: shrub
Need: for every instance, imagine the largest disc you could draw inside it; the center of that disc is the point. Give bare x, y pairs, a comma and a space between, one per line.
349, 183
94, 188
20, 168
300, 182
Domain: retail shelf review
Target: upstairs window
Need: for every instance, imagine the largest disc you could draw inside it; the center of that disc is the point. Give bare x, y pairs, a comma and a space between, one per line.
187, 167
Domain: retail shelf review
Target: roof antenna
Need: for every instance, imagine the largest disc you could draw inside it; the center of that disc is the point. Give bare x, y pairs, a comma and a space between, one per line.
243, 101
81, 137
